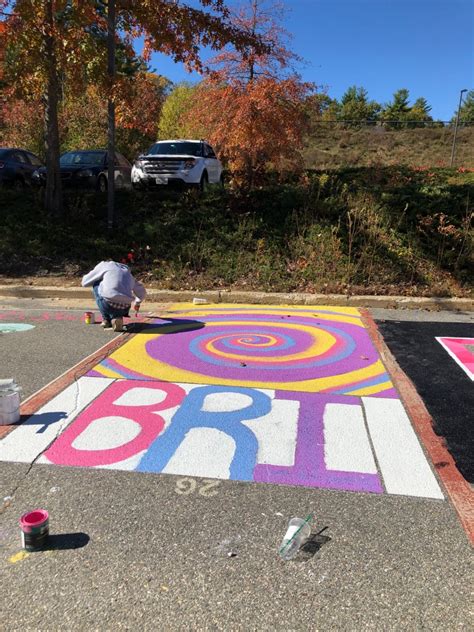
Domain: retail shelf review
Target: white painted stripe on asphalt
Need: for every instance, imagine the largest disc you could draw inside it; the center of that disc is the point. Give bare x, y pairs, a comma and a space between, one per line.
402, 463
346, 442
276, 433
33, 436
204, 452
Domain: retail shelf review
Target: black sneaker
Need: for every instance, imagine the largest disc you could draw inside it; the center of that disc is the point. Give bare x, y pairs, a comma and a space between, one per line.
107, 324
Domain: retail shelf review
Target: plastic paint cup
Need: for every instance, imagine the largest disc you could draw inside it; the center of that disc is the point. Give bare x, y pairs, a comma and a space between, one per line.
297, 533
34, 529
89, 318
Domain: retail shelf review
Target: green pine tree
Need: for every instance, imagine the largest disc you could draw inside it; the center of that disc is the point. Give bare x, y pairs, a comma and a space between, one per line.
356, 108
395, 113
466, 112
420, 113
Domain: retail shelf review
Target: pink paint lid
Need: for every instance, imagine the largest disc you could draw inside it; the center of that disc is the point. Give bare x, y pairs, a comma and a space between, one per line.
33, 519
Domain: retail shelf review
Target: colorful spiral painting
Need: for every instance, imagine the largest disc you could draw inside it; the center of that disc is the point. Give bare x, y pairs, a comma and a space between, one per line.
327, 350
258, 393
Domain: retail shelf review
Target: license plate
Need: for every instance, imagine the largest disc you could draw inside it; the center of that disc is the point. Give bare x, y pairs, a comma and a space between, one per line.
161, 180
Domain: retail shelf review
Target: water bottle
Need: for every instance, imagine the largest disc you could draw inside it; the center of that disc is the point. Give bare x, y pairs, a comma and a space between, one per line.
297, 533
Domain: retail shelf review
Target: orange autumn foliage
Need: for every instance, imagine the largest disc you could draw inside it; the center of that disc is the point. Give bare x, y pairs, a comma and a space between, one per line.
253, 124
83, 118
140, 102
250, 106
2, 48
60, 45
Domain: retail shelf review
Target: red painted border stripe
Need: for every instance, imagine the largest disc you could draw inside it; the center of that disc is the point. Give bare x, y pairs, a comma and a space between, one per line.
457, 488
41, 397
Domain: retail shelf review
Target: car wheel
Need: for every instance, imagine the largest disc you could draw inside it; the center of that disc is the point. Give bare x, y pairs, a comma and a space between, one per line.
102, 184
204, 183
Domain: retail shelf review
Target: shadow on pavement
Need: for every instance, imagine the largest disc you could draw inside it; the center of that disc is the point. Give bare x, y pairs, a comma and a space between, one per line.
64, 541
172, 326
312, 545
42, 419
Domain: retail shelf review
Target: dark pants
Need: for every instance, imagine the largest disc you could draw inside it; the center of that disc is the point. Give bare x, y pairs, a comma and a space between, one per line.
107, 311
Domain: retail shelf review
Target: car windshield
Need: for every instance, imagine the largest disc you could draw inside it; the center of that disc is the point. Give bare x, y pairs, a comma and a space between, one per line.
3, 152
77, 158
176, 149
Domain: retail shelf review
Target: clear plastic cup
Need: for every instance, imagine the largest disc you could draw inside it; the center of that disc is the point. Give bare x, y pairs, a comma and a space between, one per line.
297, 533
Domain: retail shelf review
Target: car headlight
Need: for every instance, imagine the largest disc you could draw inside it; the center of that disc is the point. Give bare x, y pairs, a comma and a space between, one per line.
189, 163
85, 173
38, 175
139, 164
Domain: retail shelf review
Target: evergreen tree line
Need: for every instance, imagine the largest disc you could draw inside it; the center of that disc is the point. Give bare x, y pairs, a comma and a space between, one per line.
355, 108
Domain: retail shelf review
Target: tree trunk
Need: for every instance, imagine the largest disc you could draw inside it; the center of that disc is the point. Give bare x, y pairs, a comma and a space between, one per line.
249, 161
111, 116
250, 158
53, 194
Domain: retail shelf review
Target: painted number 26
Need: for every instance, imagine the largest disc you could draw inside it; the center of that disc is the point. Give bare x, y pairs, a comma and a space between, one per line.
186, 486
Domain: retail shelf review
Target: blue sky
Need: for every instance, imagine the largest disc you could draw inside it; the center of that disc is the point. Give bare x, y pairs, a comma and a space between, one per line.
426, 46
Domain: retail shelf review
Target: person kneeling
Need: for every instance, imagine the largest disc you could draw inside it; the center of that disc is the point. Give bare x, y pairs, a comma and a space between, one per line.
114, 288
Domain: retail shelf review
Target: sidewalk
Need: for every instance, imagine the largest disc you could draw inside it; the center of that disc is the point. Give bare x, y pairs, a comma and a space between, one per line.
275, 298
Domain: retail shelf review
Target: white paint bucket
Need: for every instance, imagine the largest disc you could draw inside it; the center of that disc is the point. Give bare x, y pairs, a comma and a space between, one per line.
9, 407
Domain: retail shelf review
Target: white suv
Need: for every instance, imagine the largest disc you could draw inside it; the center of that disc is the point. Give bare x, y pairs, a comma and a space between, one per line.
177, 162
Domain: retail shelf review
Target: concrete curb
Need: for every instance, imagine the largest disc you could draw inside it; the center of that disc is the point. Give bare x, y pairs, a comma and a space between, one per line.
275, 298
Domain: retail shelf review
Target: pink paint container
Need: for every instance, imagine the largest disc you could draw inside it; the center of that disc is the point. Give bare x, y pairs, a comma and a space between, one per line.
34, 529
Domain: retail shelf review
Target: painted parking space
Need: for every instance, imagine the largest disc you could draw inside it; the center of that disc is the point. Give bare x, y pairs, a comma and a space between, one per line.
461, 349
439, 358
267, 394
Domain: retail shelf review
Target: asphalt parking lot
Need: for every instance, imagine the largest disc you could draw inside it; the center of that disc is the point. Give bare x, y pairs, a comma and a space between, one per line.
130, 548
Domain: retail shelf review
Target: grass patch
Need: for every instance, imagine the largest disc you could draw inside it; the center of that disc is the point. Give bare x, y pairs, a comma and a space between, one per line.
379, 230
331, 146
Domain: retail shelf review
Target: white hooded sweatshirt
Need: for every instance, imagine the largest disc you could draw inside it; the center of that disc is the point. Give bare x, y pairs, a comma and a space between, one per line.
116, 283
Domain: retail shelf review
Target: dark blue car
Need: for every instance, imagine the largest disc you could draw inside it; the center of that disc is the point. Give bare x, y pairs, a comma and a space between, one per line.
87, 169
17, 167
